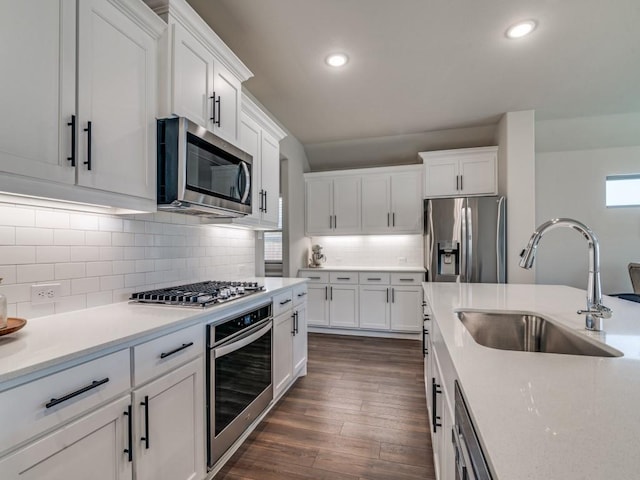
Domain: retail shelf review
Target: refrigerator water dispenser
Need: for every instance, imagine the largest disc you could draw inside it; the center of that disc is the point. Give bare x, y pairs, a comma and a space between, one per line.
448, 258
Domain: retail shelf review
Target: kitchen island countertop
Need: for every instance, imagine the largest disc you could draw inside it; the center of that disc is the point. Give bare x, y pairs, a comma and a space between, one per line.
50, 341
542, 415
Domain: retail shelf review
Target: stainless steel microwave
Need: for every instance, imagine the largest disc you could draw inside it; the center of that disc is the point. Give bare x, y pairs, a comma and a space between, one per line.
199, 173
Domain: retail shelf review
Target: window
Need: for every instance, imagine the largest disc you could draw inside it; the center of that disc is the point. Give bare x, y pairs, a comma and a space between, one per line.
623, 191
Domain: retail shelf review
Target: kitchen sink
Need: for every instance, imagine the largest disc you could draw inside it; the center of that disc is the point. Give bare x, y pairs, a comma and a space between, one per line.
528, 332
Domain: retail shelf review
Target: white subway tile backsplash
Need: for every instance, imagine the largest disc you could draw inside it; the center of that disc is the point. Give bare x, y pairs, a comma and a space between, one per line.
35, 273
52, 254
70, 270
7, 235
85, 254
110, 224
34, 236
17, 255
52, 219
17, 216
372, 250
98, 238
100, 259
68, 237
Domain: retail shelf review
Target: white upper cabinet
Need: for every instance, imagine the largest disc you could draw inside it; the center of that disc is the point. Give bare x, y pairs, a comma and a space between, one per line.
201, 78
392, 202
38, 88
117, 100
333, 205
79, 108
461, 172
375, 200
270, 178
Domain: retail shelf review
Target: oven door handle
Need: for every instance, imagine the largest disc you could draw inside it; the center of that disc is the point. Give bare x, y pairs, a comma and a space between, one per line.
240, 343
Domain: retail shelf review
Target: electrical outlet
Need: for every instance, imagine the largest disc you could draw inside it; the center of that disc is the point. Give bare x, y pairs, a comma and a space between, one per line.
402, 259
45, 293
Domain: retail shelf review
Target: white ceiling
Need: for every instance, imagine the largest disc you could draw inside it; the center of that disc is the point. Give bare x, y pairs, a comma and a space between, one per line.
428, 65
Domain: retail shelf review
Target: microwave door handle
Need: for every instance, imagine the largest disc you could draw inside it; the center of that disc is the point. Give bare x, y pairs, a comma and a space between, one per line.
247, 190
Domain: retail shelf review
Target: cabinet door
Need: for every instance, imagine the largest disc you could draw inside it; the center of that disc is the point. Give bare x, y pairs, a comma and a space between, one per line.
478, 174
174, 433
374, 307
38, 88
346, 205
300, 340
406, 309
376, 203
343, 305
440, 177
318, 305
192, 78
250, 143
447, 452
282, 352
117, 76
270, 153
406, 202
319, 206
227, 104
92, 447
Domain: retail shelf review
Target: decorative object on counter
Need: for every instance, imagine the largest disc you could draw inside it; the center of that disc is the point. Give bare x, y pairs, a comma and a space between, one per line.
317, 257
13, 325
3, 310
595, 311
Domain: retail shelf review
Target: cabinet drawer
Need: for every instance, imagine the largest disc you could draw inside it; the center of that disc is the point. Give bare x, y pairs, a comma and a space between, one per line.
374, 278
315, 277
282, 302
299, 294
407, 278
343, 277
155, 357
32, 408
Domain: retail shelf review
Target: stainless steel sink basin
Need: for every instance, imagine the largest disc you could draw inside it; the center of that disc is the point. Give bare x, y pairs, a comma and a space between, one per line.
528, 332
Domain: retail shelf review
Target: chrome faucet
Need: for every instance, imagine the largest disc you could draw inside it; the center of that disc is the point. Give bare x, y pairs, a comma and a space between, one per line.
595, 311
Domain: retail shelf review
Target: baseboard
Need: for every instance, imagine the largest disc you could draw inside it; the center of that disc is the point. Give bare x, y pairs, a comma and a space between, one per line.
364, 333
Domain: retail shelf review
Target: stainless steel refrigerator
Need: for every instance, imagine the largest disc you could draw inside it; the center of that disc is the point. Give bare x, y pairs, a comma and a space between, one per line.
465, 239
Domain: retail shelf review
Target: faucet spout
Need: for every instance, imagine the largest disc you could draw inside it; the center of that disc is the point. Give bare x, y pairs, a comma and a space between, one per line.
595, 310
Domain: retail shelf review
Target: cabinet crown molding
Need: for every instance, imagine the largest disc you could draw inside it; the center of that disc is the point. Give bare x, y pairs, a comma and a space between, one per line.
365, 171
262, 118
142, 16
456, 151
181, 11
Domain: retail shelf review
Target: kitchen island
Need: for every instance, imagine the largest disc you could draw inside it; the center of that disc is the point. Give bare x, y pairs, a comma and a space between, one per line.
541, 415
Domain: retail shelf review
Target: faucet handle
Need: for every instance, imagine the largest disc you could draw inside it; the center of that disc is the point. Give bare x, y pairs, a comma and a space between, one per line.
598, 311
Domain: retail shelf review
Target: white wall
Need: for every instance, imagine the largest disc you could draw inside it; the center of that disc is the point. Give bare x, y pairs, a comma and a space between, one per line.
516, 180
295, 244
372, 250
100, 259
573, 158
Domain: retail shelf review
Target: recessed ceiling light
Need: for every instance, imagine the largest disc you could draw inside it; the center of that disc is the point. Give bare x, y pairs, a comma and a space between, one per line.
521, 29
336, 60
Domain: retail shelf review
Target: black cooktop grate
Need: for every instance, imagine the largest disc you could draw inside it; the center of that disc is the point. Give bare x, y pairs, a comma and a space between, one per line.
201, 294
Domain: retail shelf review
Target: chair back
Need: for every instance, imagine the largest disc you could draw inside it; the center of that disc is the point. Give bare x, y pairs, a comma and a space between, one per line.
634, 273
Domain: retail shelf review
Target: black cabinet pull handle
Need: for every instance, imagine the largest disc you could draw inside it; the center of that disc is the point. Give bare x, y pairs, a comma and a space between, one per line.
393, 219
387, 295
425, 350
96, 383
297, 323
331, 292
72, 124
293, 324
184, 345
343, 278
284, 302
335, 221
393, 295
314, 278
371, 279
129, 449
457, 182
326, 289
407, 279
88, 130
435, 389
213, 108
302, 294
461, 187
145, 439
261, 201
388, 223
219, 116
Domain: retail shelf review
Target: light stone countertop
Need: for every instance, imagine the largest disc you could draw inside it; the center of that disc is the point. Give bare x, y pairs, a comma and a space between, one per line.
50, 341
540, 415
341, 268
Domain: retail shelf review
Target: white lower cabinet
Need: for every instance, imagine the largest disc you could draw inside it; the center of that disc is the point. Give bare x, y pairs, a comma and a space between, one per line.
318, 311
290, 341
406, 308
374, 307
93, 447
169, 426
343, 306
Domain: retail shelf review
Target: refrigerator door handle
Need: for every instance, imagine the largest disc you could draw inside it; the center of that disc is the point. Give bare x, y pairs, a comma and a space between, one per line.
500, 244
468, 241
463, 244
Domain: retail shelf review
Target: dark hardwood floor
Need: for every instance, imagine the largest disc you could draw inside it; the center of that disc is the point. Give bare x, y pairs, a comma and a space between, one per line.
359, 414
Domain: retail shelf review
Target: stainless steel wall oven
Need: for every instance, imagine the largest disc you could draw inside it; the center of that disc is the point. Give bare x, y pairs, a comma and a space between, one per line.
239, 376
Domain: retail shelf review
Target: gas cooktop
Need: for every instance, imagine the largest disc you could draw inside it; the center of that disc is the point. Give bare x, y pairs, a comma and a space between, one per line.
202, 294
